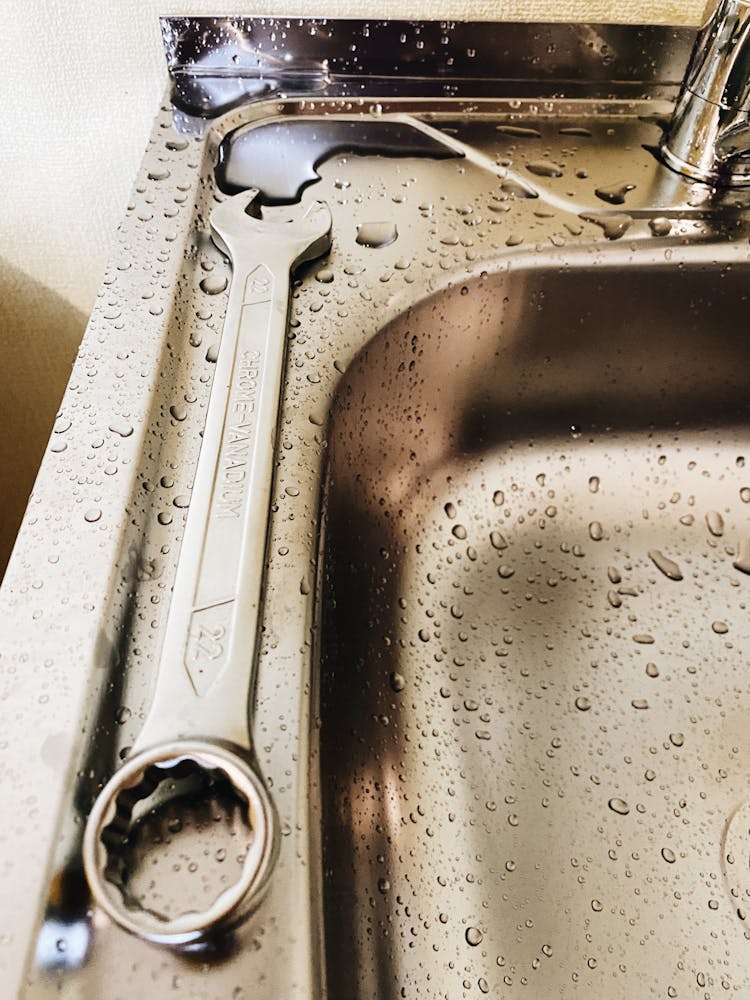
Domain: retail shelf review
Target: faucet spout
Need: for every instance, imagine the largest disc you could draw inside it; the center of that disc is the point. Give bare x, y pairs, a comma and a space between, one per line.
709, 136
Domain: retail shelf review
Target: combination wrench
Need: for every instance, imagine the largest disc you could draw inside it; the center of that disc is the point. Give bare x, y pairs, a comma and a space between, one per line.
199, 715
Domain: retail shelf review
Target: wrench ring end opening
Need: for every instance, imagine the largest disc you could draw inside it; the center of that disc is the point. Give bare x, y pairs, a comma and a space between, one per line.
111, 817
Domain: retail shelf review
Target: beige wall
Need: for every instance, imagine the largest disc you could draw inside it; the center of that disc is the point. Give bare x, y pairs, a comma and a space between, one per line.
81, 84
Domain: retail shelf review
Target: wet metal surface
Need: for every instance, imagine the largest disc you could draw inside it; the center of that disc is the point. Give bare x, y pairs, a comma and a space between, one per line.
533, 683
500, 698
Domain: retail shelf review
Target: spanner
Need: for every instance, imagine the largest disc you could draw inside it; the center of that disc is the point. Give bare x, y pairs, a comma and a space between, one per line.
200, 708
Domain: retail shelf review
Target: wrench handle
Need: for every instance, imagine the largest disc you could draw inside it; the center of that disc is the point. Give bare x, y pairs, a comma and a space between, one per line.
199, 712
210, 642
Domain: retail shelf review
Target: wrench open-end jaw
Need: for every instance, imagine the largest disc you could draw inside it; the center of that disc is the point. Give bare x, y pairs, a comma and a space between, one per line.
239, 219
199, 715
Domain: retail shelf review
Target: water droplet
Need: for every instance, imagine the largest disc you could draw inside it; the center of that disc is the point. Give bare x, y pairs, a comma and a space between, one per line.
178, 411
596, 531
582, 704
213, 284
614, 225
640, 703
719, 627
619, 806
498, 541
596, 906
505, 572
594, 484
92, 515
667, 566
474, 936
121, 426
545, 168
122, 715
715, 523
652, 670
498, 498
614, 194
325, 276
376, 235
745, 494
518, 131
677, 739
518, 189
398, 683
458, 531
660, 226
383, 885
669, 855
576, 130
742, 562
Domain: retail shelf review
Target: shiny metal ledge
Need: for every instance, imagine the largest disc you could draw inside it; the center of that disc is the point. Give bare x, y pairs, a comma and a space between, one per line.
506, 743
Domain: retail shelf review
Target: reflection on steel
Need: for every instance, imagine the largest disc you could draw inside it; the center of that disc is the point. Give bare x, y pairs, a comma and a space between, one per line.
709, 137
219, 63
500, 697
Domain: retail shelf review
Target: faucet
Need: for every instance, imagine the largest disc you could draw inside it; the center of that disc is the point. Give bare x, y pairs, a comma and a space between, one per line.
709, 135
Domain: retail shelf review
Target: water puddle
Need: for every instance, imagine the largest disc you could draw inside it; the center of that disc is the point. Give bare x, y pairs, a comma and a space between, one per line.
614, 225
614, 194
281, 158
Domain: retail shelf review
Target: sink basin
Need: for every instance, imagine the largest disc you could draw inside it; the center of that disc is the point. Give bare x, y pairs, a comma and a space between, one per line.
498, 698
533, 698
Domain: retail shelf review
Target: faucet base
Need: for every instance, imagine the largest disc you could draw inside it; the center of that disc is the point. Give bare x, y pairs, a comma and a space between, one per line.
709, 138
738, 178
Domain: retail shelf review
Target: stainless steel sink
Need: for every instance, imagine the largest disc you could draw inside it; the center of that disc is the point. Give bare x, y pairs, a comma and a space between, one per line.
500, 703
533, 702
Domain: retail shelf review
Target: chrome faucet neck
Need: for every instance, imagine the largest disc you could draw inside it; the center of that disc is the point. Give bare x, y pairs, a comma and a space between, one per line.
709, 136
